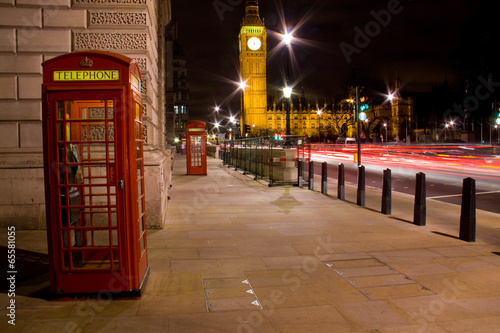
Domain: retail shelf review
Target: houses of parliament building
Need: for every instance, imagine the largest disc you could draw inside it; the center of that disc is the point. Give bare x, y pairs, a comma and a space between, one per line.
265, 115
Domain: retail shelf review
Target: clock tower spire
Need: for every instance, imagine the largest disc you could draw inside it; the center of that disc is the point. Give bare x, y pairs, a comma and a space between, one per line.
253, 57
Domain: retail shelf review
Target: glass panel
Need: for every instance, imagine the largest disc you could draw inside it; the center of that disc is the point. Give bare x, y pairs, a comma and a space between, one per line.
138, 131
138, 149
114, 236
113, 219
139, 170
101, 237
60, 132
87, 194
142, 244
137, 112
60, 110
139, 203
111, 152
111, 131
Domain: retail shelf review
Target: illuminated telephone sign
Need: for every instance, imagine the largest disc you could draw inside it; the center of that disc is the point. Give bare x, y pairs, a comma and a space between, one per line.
87, 75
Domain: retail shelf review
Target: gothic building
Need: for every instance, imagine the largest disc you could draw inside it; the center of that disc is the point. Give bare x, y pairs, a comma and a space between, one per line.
253, 56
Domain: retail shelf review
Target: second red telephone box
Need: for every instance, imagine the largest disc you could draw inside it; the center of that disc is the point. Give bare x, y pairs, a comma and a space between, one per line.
196, 158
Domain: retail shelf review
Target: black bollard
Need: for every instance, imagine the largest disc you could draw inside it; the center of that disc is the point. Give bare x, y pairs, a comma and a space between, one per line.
324, 178
311, 176
419, 211
468, 211
300, 176
361, 186
341, 182
387, 193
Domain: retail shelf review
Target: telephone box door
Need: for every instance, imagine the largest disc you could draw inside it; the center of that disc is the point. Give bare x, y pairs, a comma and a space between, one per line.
196, 148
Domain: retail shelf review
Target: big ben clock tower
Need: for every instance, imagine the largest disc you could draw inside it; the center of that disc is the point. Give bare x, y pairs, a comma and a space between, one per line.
253, 55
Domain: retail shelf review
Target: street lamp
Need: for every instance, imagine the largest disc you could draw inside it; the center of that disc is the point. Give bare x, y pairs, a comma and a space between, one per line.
319, 124
385, 125
287, 93
287, 90
242, 85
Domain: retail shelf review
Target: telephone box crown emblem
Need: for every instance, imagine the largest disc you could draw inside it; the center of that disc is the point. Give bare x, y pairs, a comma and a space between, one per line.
86, 62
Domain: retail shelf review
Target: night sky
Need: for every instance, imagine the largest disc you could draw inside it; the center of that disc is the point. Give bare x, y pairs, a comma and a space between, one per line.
414, 37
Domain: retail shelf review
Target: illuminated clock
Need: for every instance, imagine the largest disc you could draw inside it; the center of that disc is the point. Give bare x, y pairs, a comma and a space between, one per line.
254, 43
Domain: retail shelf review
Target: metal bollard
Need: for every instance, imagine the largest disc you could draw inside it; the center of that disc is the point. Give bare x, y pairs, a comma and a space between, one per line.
361, 186
341, 182
386, 193
468, 211
324, 178
311, 176
300, 174
419, 211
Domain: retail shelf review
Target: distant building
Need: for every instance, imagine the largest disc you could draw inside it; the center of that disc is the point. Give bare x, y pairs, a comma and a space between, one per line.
177, 86
397, 114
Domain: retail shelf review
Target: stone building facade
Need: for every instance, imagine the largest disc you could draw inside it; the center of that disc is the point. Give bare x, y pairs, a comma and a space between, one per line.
33, 31
177, 86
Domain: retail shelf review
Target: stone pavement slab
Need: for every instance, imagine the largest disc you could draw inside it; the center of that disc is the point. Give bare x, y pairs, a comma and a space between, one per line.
310, 262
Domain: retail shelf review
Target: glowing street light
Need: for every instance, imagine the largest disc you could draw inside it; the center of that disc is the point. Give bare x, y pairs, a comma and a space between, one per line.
287, 92
287, 38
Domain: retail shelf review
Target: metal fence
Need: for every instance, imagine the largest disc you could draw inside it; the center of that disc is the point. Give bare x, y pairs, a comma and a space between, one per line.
267, 158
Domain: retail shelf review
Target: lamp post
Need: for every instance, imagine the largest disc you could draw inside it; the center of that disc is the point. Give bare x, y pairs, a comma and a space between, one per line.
319, 124
242, 86
385, 125
287, 90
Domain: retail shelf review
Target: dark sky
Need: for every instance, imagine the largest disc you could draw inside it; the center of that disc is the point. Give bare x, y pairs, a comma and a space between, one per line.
415, 39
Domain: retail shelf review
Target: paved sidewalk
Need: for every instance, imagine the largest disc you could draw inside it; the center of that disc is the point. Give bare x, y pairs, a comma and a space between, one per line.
238, 256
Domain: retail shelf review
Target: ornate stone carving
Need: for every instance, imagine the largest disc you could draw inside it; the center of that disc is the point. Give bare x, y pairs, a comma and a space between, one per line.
144, 87
145, 133
110, 18
110, 41
142, 62
110, 2
98, 113
97, 133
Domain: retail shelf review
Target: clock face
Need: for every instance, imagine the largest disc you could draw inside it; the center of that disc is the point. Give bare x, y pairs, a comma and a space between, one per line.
254, 43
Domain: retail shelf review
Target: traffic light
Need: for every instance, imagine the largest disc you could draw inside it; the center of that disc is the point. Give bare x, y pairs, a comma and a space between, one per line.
363, 103
247, 128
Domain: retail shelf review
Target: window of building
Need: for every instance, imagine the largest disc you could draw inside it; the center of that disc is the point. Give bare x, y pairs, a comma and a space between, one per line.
176, 109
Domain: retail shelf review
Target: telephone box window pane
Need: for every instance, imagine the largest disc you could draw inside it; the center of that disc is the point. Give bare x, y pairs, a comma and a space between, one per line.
139, 150
139, 169
99, 237
60, 132
111, 152
114, 236
138, 131
60, 110
113, 219
139, 203
142, 244
137, 112
139, 188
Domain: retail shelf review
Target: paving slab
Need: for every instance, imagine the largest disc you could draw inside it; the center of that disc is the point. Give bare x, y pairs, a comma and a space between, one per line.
312, 263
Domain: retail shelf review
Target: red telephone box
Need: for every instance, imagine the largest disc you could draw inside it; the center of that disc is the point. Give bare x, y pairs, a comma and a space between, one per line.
94, 174
196, 158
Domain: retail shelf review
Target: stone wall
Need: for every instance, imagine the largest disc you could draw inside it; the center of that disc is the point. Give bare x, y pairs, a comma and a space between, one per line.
33, 31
